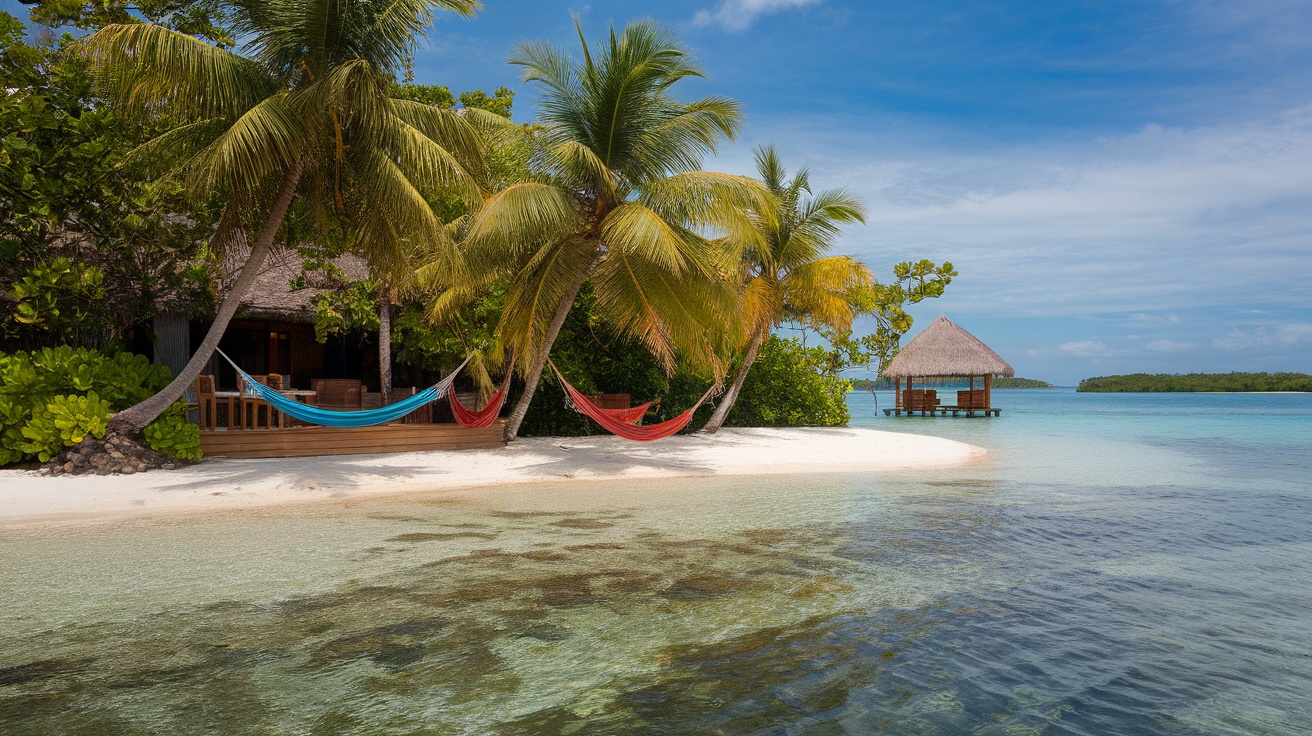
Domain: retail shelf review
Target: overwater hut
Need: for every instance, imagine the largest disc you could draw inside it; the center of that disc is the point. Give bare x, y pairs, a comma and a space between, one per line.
944, 352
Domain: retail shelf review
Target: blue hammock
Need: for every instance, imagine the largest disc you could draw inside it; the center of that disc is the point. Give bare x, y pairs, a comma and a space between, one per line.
327, 418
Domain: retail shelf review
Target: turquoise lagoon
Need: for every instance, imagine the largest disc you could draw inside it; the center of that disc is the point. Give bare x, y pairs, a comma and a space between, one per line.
1116, 564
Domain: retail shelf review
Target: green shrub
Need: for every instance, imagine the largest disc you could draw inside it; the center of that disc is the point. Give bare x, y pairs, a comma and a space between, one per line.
63, 421
791, 385
172, 435
54, 397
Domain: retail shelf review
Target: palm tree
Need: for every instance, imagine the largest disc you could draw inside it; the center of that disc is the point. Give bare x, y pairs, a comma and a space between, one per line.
616, 196
304, 110
784, 270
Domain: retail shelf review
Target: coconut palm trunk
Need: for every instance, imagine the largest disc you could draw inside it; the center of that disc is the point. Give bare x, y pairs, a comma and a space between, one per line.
385, 340
731, 395
540, 362
133, 419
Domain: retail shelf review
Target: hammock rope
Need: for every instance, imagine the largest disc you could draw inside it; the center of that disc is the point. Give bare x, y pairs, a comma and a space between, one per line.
328, 418
627, 430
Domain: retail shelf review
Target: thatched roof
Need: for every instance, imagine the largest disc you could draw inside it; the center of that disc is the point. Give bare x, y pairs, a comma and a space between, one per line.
944, 350
272, 297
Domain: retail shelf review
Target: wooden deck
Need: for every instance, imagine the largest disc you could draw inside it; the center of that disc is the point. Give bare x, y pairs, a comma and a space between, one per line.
942, 411
310, 441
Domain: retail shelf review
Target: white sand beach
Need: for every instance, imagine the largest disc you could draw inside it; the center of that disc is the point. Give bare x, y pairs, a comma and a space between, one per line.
28, 500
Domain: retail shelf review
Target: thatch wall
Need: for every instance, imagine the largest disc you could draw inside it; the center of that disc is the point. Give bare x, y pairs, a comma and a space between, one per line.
944, 350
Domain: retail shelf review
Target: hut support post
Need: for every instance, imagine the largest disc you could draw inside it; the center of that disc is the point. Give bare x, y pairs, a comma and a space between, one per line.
988, 391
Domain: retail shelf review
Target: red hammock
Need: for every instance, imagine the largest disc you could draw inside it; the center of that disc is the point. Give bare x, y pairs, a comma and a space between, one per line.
628, 431
485, 416
488, 414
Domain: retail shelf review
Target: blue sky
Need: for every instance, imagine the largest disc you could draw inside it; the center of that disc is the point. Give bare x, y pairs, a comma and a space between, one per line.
1123, 186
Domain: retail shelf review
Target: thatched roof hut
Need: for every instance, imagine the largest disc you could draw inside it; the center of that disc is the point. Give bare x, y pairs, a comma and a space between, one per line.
944, 350
272, 297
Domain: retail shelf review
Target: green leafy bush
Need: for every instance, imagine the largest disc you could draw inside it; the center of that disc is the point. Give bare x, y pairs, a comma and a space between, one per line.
791, 385
172, 435
53, 398
63, 421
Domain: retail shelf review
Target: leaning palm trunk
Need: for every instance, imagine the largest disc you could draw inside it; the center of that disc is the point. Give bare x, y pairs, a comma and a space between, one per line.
385, 341
133, 419
539, 363
731, 395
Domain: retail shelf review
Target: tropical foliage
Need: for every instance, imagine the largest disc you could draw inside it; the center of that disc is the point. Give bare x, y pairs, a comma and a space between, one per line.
1198, 382
90, 248
52, 398
792, 385
304, 111
157, 163
785, 272
616, 197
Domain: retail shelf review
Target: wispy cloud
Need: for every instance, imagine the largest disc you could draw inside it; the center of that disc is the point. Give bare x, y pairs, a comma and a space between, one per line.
1277, 336
738, 15
1169, 346
1084, 348
1154, 224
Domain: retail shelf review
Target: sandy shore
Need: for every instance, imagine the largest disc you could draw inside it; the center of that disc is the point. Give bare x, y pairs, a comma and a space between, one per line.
29, 500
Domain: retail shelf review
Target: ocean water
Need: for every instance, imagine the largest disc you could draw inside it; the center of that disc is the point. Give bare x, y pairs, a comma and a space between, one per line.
1117, 564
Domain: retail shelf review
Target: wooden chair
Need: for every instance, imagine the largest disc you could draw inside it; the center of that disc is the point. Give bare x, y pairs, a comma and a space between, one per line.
275, 382
971, 399
251, 404
337, 394
919, 399
209, 404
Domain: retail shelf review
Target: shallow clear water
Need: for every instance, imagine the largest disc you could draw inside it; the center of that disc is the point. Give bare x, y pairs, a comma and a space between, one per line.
1116, 564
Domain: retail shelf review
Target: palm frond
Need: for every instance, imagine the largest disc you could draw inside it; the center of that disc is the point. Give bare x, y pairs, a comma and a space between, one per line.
153, 71
261, 144
633, 229
822, 289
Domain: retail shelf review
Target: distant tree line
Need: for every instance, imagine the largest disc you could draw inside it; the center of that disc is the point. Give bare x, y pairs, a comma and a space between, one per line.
1197, 382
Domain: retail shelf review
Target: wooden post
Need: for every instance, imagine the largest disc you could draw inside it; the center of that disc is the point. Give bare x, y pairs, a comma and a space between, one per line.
988, 391
897, 392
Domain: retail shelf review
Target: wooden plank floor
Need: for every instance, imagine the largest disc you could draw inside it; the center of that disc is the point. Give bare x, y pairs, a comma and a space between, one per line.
310, 441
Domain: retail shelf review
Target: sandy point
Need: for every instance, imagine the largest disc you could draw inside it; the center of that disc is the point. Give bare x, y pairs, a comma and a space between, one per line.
28, 500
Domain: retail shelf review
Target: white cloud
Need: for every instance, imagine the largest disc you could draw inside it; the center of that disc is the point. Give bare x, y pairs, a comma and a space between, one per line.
1169, 346
738, 15
1153, 318
1084, 348
1286, 335
1155, 224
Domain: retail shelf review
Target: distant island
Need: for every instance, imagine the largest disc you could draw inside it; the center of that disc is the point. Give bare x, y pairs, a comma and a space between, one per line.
1197, 382
885, 384
1020, 383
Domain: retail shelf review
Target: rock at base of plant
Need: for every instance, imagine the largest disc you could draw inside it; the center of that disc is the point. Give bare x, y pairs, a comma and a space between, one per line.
115, 453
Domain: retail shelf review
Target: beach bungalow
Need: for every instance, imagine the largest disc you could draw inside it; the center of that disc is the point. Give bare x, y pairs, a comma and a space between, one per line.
943, 352
272, 338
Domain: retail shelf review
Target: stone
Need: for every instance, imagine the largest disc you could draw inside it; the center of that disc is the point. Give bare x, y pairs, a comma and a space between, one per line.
128, 470
69, 467
141, 467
